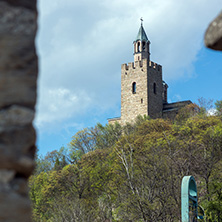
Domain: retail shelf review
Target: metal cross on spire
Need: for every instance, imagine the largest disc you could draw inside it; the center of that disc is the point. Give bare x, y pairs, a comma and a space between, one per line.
141, 19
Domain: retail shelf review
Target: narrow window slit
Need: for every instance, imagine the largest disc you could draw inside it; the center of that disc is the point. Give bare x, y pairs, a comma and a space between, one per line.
134, 88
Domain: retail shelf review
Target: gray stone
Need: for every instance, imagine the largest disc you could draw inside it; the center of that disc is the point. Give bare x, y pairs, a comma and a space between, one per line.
213, 35
18, 75
16, 149
18, 61
19, 185
16, 116
14, 207
6, 176
16, 20
30, 4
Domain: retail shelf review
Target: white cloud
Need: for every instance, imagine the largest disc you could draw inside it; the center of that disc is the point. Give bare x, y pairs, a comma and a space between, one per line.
212, 112
60, 104
82, 44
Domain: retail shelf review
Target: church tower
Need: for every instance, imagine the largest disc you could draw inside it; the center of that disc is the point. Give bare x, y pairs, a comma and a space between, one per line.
143, 91
141, 83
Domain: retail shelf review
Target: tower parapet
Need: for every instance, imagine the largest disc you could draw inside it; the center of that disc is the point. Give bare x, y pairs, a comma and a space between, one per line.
134, 65
140, 64
155, 66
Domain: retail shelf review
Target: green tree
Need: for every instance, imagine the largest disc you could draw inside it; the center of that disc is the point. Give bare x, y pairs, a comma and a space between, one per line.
107, 135
132, 173
186, 112
218, 105
83, 142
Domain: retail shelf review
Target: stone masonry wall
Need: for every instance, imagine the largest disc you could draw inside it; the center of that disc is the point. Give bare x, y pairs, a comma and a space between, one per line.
18, 74
144, 101
155, 104
133, 105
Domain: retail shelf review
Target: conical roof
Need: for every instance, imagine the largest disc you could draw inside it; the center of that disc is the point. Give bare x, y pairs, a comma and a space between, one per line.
141, 36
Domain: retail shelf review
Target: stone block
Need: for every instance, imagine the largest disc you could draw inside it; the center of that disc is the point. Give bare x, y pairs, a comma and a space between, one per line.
16, 116
13, 206
18, 60
213, 35
18, 75
30, 4
17, 146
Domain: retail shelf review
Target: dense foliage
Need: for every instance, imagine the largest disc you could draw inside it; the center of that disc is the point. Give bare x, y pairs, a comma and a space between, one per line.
132, 173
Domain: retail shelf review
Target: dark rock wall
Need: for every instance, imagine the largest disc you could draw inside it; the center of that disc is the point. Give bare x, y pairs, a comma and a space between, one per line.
18, 75
213, 35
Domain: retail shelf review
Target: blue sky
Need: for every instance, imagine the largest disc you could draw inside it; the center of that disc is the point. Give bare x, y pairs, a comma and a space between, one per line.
82, 44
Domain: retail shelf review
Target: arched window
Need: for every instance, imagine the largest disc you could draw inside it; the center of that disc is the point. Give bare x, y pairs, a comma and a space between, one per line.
134, 88
144, 46
154, 88
138, 47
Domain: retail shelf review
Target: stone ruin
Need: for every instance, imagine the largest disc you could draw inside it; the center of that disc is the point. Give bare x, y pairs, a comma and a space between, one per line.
213, 35
18, 75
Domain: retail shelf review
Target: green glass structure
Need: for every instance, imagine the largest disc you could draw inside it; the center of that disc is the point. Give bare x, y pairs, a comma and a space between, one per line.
189, 199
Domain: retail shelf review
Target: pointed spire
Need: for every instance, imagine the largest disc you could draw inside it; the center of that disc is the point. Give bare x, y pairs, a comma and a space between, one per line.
141, 36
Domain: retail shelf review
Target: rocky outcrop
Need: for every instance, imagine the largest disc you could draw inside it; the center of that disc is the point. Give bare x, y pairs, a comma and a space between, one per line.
213, 35
18, 75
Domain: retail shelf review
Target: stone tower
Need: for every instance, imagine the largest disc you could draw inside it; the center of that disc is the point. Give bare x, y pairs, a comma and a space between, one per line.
143, 91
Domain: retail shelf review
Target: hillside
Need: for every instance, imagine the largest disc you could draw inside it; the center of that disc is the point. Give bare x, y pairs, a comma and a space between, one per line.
132, 172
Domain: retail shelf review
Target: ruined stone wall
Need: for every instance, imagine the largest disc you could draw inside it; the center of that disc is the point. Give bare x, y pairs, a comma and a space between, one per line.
18, 74
133, 104
213, 34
